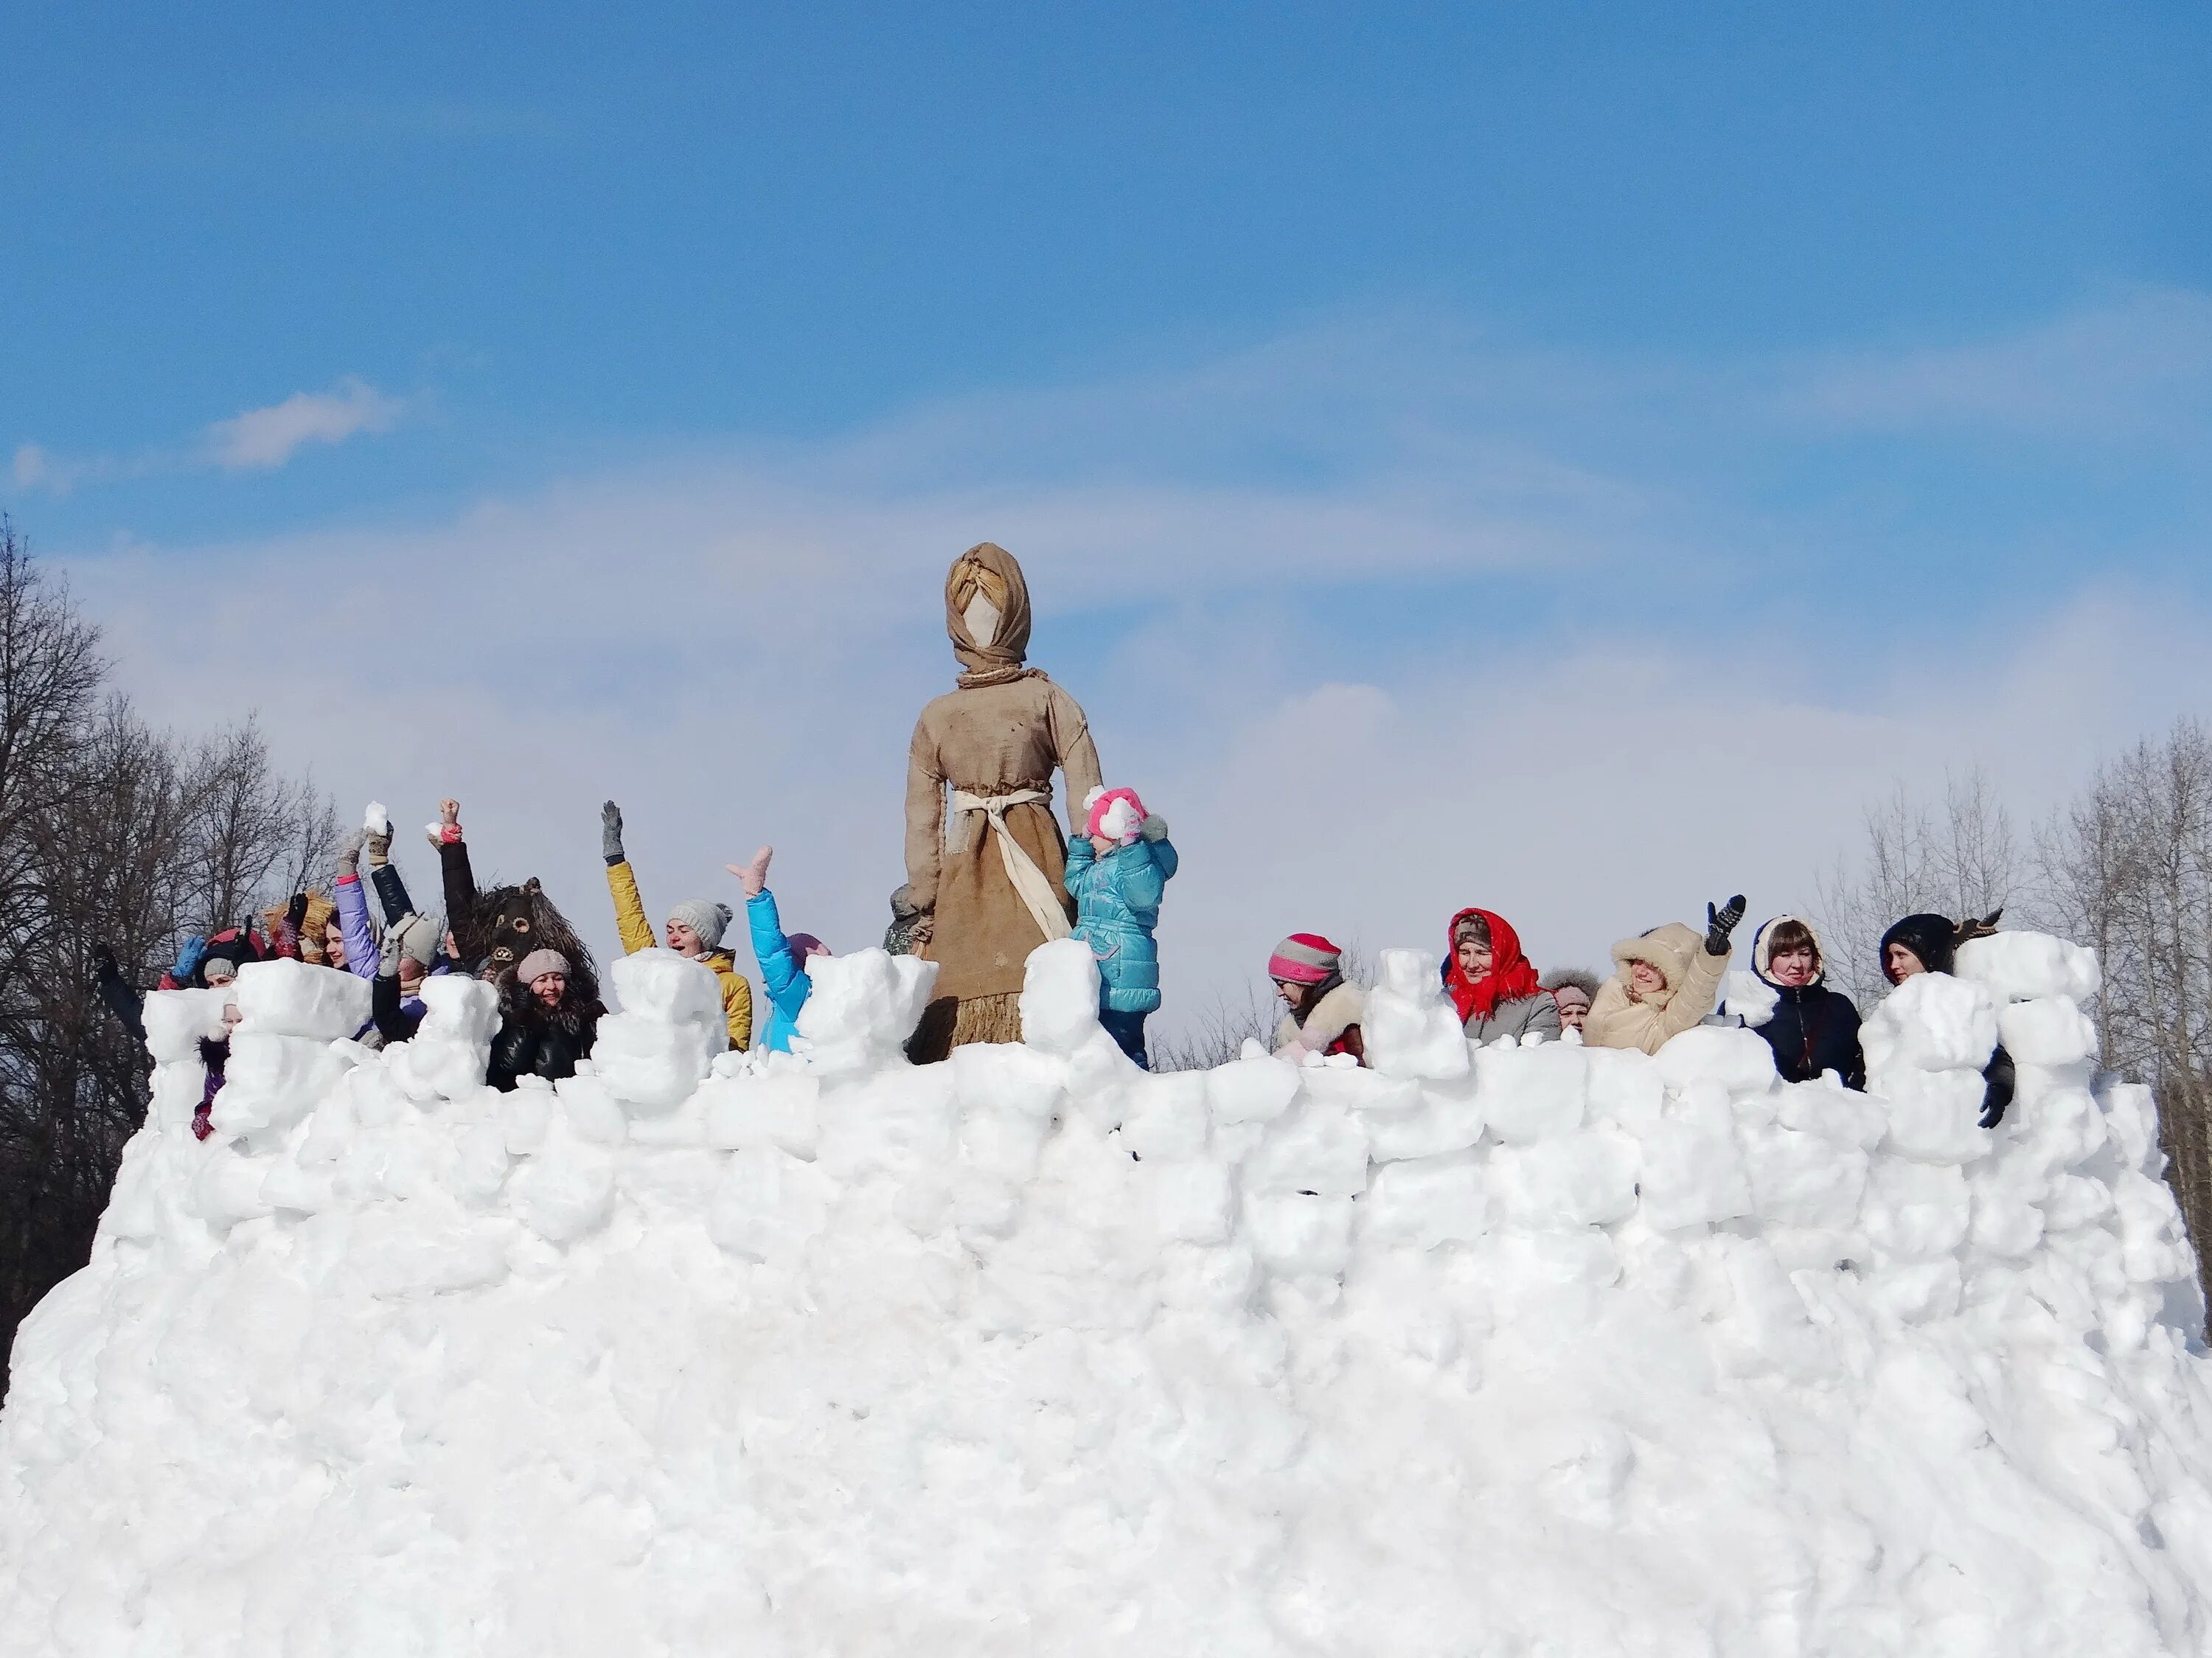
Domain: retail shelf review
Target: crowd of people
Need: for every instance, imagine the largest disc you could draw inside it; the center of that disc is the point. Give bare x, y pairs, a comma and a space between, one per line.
990, 877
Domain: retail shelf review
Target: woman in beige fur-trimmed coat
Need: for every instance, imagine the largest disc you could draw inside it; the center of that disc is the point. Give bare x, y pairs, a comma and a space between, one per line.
988, 882
1669, 980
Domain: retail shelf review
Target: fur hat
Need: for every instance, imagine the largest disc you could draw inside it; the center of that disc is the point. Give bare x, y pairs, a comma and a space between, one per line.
708, 919
1306, 958
1571, 995
1578, 978
539, 963
1670, 949
1116, 814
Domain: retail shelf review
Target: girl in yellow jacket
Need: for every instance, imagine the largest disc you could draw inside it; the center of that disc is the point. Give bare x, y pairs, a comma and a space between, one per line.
1669, 980
695, 928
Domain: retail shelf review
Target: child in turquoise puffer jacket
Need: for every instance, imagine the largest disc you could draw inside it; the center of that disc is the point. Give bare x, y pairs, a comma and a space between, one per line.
1117, 870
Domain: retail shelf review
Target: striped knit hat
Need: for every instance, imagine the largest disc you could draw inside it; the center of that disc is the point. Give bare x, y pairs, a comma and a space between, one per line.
1304, 958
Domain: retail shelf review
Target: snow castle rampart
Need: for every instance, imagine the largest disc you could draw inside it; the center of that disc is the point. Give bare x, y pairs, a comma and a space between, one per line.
1482, 1352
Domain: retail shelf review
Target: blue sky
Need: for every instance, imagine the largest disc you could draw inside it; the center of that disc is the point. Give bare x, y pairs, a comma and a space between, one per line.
1848, 368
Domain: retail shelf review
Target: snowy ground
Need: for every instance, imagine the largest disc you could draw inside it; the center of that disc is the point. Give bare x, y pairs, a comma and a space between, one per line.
1525, 1352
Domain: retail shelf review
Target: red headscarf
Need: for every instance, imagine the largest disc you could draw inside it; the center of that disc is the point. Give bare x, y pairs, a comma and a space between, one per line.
1512, 974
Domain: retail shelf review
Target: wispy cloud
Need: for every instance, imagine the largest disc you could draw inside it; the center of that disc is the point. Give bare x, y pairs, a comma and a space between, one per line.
254, 440
2118, 372
261, 439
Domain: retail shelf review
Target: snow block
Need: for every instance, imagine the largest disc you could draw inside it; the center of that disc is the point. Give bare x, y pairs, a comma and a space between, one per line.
1410, 1026
286, 997
1574, 1351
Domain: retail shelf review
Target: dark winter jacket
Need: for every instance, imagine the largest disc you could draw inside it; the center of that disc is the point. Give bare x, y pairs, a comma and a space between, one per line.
126, 1003
1813, 1029
537, 1041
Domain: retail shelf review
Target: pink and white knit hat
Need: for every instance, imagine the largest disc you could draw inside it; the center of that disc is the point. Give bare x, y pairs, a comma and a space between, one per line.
1117, 814
1304, 958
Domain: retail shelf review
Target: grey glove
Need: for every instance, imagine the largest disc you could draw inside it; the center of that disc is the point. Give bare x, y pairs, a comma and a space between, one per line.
390, 950
1720, 923
380, 849
349, 851
1154, 828
610, 833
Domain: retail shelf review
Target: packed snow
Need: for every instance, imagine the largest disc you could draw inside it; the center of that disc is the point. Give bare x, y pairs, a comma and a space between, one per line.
1516, 1350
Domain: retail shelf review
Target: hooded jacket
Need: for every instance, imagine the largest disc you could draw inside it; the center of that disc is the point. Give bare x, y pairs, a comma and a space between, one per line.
1118, 906
1812, 1028
1694, 982
637, 934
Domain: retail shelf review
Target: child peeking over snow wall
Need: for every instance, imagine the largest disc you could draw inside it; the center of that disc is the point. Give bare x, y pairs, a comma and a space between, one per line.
782, 956
1325, 1010
1118, 869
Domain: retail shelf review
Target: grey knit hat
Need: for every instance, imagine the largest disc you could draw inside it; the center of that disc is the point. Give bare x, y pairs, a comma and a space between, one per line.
709, 921
539, 963
421, 937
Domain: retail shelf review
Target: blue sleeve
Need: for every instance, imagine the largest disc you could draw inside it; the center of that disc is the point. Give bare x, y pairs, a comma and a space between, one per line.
1080, 854
1144, 880
787, 987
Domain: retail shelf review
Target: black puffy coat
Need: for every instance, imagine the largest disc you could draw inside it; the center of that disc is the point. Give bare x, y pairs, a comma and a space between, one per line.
537, 1041
1813, 1030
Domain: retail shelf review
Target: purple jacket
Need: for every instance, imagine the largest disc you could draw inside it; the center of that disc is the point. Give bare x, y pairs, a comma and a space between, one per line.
353, 926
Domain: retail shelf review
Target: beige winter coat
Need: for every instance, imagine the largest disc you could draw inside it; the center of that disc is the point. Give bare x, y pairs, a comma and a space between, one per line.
1332, 1026
1694, 983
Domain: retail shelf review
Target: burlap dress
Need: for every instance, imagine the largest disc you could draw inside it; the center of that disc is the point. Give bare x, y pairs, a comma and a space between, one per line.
1003, 733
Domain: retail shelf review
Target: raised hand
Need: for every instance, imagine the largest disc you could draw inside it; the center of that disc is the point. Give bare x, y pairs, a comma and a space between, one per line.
346, 855
752, 878
611, 828
448, 826
1721, 922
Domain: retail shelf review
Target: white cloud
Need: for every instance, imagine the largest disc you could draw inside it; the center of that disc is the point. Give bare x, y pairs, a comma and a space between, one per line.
261, 439
258, 440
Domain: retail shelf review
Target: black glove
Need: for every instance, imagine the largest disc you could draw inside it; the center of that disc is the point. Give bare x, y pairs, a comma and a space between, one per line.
1720, 923
610, 832
296, 913
105, 967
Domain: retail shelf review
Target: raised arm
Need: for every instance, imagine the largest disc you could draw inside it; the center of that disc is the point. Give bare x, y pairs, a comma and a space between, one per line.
460, 880
630, 922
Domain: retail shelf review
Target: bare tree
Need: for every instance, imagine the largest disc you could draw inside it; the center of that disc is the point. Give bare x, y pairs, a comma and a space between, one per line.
2127, 868
112, 834
1959, 859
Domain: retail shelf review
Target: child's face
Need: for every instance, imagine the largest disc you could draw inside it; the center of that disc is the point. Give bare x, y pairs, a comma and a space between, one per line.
1105, 846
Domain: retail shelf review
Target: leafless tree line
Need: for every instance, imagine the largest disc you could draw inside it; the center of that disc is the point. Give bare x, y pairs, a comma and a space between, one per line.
113, 832
2126, 867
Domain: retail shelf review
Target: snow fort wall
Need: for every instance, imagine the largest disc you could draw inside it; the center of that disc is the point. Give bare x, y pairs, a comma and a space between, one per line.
1498, 1351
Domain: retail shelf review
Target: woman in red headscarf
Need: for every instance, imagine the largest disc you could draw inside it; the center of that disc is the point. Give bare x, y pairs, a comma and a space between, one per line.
1492, 984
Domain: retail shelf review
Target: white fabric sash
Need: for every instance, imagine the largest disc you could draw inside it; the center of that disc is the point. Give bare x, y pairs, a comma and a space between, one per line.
1031, 884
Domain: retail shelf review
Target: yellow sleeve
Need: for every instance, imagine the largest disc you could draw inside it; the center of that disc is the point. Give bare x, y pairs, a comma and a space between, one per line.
737, 1008
629, 909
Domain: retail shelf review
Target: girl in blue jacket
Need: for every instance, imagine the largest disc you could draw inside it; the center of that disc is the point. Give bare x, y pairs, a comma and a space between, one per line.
781, 956
1117, 872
